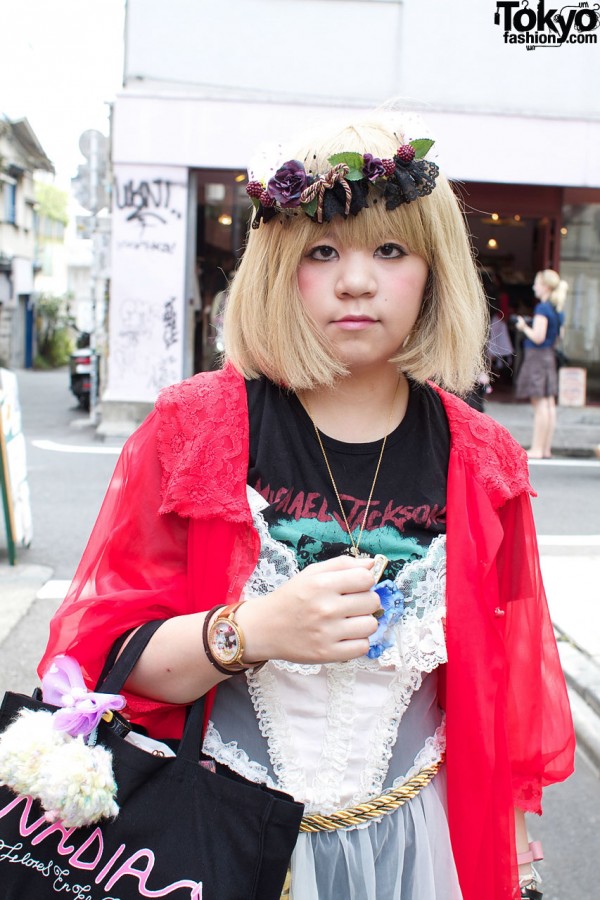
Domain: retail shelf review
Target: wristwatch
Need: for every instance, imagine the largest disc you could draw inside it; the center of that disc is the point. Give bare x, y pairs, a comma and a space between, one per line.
224, 640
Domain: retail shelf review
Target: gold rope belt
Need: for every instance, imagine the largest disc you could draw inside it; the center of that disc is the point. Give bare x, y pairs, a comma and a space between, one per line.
373, 809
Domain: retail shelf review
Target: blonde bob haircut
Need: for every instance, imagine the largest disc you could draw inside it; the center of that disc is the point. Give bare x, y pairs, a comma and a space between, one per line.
267, 330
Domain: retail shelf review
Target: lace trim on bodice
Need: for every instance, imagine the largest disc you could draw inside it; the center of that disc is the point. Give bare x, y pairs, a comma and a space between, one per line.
276, 562
229, 754
391, 680
431, 753
420, 642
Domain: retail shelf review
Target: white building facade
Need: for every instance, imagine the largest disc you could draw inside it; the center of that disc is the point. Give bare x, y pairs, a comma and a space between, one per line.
21, 155
205, 84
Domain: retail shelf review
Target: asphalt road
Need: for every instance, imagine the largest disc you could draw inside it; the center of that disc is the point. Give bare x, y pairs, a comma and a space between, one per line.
69, 470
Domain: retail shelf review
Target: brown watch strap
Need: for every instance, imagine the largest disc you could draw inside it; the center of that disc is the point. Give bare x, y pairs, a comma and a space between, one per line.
235, 667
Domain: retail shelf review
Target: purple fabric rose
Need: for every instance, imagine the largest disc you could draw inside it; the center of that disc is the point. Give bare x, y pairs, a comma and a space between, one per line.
287, 184
373, 167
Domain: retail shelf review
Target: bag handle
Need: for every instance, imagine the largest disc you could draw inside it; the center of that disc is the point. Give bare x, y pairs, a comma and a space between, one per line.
120, 670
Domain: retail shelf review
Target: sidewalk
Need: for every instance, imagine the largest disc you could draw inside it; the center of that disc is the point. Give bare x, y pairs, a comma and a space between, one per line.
577, 428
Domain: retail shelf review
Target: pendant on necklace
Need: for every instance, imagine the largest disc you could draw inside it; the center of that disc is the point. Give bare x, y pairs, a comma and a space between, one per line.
380, 560
379, 568
356, 553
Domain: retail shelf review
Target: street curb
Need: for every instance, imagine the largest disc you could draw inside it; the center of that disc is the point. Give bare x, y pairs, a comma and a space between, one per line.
587, 728
582, 675
581, 672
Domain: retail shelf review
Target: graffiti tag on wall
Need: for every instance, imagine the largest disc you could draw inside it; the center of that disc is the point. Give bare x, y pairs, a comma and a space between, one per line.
146, 202
147, 302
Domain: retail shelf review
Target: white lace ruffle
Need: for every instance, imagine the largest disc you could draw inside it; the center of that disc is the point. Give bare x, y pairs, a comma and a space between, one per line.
275, 728
354, 708
276, 563
420, 641
431, 753
232, 756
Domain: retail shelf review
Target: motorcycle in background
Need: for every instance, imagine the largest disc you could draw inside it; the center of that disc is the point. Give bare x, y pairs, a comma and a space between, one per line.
80, 371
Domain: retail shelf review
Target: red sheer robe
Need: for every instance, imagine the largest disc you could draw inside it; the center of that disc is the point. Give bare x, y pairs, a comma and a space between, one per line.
175, 536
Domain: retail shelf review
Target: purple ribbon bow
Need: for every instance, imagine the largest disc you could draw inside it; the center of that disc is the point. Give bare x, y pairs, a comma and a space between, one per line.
63, 685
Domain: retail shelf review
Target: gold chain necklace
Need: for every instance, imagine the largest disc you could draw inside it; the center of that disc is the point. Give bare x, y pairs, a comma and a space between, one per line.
354, 549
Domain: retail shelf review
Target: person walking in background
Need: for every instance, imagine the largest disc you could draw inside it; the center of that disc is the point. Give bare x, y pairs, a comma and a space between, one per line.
537, 379
257, 507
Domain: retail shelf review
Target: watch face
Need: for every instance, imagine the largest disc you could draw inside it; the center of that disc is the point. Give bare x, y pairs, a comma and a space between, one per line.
223, 641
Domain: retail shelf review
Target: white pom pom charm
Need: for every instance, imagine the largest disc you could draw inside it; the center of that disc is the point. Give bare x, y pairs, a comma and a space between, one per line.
74, 782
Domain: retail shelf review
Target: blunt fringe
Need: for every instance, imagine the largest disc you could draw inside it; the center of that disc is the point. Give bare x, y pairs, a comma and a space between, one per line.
266, 328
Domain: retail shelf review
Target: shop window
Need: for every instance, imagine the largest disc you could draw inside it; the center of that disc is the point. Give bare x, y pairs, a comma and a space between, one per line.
580, 267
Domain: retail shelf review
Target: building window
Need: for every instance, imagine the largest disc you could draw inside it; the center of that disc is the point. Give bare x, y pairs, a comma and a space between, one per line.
10, 203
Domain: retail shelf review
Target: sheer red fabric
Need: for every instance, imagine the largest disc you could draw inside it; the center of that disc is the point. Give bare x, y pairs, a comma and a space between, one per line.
505, 694
175, 536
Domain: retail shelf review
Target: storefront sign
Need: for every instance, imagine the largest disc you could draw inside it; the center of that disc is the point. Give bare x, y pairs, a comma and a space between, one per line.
571, 386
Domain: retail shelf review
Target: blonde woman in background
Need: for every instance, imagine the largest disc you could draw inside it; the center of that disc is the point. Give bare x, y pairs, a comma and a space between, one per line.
538, 377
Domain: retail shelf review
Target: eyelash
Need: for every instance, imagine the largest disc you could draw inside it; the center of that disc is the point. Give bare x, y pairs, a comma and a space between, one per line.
402, 251
312, 254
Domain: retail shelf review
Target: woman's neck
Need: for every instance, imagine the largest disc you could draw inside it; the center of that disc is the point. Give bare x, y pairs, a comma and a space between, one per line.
360, 408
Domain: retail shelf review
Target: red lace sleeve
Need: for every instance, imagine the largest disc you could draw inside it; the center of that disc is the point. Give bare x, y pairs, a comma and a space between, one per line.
133, 568
539, 723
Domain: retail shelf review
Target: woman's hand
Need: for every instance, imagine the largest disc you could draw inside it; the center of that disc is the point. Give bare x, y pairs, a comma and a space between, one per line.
536, 332
323, 614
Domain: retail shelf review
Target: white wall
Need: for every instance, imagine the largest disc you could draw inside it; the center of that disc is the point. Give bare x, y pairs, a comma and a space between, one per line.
454, 57
318, 48
219, 78
449, 55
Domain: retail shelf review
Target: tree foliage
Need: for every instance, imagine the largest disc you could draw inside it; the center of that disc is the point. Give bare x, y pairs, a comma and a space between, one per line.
54, 324
52, 202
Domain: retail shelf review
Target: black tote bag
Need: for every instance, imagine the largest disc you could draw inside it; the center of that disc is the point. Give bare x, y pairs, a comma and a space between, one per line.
182, 832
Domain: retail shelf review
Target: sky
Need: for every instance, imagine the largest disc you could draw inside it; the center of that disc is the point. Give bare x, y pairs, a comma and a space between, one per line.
60, 66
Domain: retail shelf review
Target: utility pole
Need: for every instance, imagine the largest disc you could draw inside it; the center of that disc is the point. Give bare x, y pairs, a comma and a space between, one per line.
90, 191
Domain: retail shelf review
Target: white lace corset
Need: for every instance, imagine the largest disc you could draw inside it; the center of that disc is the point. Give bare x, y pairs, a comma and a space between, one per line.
331, 729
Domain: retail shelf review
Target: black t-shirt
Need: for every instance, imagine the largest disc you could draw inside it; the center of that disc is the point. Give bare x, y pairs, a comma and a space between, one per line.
286, 467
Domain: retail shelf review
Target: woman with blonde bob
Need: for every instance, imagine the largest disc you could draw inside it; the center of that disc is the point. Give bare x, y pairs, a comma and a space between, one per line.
343, 550
538, 377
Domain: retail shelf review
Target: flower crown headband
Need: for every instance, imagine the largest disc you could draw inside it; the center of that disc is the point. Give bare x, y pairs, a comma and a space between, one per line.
343, 189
